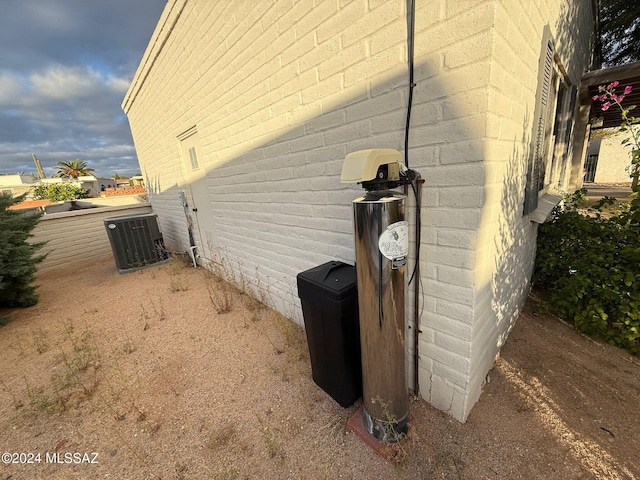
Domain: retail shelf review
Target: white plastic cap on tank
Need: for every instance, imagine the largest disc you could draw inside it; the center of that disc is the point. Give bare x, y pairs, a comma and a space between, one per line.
362, 166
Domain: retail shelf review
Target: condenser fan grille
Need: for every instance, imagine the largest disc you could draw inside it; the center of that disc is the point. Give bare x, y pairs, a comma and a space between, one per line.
136, 241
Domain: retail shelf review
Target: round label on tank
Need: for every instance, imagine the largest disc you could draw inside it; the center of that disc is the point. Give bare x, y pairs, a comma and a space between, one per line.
394, 241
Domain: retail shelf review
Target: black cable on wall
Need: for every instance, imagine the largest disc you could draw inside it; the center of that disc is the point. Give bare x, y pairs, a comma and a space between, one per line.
416, 182
411, 14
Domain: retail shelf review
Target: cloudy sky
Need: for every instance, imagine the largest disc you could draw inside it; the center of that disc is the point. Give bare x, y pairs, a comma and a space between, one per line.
65, 66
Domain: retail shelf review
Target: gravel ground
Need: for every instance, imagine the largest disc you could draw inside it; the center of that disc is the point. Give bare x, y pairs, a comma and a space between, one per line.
142, 370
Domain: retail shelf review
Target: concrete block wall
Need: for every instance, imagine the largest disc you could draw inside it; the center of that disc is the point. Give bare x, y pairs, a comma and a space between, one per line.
281, 91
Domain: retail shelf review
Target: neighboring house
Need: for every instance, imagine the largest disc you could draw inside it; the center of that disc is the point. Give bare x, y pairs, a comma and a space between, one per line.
101, 185
137, 181
31, 205
123, 191
19, 184
608, 160
248, 109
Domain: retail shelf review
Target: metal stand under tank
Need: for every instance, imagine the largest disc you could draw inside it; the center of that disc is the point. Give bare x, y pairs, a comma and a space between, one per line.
381, 247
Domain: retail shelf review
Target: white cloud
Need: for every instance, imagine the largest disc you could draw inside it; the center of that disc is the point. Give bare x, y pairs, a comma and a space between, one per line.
62, 82
63, 78
119, 84
10, 89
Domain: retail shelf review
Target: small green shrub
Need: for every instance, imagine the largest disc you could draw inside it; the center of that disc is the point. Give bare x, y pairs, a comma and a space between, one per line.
590, 264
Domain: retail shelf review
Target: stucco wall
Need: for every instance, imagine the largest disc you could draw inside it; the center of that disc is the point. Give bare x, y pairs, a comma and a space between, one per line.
281, 92
613, 160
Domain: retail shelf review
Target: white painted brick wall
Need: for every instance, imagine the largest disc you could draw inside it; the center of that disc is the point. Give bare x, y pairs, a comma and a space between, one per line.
281, 91
277, 109
506, 239
477, 73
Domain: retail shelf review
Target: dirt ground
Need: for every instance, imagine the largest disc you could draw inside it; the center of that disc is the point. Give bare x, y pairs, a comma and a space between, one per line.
142, 370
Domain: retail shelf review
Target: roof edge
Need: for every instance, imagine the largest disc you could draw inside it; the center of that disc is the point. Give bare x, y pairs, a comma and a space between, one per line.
161, 34
603, 75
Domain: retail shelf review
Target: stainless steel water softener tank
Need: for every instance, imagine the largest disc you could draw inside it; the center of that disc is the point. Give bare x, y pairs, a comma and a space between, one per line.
381, 245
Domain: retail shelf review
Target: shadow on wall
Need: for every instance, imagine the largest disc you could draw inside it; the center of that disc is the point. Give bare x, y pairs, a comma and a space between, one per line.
568, 32
273, 205
514, 244
278, 207
512, 272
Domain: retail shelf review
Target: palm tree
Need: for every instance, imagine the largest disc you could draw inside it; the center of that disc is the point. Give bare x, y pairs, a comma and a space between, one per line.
73, 169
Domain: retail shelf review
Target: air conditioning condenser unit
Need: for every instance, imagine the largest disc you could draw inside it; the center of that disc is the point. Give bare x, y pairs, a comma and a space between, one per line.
136, 241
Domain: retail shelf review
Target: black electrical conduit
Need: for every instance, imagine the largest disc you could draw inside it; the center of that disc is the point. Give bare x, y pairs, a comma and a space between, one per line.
416, 184
411, 13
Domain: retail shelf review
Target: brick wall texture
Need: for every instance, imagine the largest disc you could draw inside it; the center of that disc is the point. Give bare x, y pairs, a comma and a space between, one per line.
280, 91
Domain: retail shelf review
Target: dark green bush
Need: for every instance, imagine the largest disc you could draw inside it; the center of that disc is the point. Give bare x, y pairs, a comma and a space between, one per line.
590, 265
18, 257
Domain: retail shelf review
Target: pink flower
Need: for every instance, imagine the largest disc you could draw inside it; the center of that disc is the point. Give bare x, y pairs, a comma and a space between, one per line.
620, 98
627, 90
605, 106
614, 84
595, 97
614, 97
